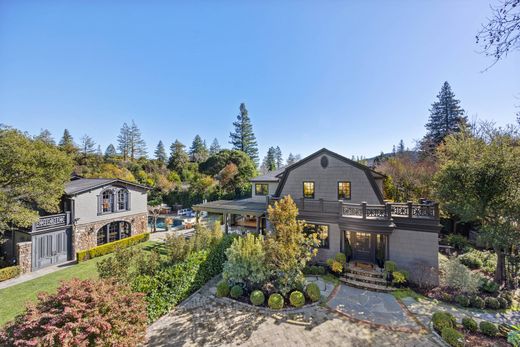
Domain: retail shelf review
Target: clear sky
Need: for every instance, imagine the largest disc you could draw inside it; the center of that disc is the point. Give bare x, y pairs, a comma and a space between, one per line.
352, 76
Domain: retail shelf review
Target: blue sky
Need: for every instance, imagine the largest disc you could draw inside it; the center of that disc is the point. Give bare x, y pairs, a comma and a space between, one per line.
352, 76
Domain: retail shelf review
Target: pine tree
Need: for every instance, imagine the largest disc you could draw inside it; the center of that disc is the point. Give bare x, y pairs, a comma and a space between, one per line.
160, 153
110, 152
400, 147
215, 147
243, 138
269, 162
45, 136
136, 145
198, 150
178, 157
290, 159
123, 141
278, 157
67, 142
446, 117
87, 145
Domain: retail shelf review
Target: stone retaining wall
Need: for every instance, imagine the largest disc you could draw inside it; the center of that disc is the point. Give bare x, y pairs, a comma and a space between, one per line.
24, 256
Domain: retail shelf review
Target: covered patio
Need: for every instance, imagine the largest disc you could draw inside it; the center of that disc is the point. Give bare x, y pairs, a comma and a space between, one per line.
247, 214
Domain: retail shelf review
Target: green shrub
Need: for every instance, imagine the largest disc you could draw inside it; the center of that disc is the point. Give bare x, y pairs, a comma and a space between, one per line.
336, 267
492, 303
222, 289
111, 247
398, 278
478, 302
341, 257
459, 242
513, 337
297, 299
329, 262
459, 277
488, 286
471, 260
446, 297
236, 291
503, 302
275, 301
313, 292
462, 300
443, 320
257, 297
469, 324
452, 337
488, 328
9, 272
317, 270
390, 266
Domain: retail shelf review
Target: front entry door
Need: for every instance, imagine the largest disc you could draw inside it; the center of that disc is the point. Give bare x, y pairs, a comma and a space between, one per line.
361, 246
50, 248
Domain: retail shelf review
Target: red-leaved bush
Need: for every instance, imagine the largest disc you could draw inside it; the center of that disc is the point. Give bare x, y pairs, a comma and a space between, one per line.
81, 313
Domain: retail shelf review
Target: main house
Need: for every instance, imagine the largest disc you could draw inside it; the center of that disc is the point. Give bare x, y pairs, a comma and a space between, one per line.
95, 211
343, 200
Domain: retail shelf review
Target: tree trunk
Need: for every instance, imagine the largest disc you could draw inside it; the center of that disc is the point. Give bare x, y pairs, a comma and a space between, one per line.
500, 270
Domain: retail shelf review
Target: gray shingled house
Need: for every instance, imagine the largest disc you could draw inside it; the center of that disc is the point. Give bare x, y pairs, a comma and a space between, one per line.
343, 200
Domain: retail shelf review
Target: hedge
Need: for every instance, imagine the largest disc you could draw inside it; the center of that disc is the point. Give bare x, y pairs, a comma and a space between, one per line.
9, 272
111, 247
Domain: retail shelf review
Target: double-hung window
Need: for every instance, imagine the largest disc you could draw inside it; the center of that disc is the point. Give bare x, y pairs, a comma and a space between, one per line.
308, 190
344, 190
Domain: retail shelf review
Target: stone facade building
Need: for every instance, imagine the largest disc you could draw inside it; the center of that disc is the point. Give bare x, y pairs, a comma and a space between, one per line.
95, 211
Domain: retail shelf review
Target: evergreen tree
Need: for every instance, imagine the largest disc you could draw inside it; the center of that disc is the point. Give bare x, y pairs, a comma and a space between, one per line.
45, 136
136, 145
243, 138
87, 145
198, 150
67, 142
278, 157
446, 117
269, 162
178, 157
400, 147
290, 159
110, 152
160, 153
99, 152
123, 141
215, 147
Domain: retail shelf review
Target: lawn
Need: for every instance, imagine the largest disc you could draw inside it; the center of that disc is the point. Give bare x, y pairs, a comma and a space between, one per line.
14, 298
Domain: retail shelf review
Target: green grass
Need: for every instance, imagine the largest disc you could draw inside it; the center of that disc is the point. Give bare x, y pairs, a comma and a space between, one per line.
406, 293
15, 298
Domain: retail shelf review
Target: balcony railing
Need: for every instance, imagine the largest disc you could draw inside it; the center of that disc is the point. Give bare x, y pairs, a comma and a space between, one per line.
52, 221
367, 211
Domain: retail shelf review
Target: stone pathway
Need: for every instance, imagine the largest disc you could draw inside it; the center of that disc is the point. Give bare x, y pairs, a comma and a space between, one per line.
372, 307
203, 320
424, 308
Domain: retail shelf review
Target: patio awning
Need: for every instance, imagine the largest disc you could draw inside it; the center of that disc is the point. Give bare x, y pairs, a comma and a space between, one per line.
249, 207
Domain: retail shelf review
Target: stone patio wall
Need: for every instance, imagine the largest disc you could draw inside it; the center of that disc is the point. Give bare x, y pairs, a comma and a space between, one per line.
24, 256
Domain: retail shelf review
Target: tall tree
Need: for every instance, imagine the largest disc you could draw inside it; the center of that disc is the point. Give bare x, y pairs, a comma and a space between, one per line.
278, 157
446, 117
160, 153
198, 150
243, 139
215, 147
136, 144
87, 145
269, 162
178, 157
290, 159
45, 136
67, 142
400, 147
110, 152
123, 141
32, 174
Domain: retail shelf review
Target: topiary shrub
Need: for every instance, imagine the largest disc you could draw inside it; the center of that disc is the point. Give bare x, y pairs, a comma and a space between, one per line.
313, 292
257, 298
462, 300
492, 303
503, 302
81, 313
478, 302
297, 299
275, 301
469, 324
236, 291
443, 320
340, 257
9, 272
111, 247
222, 289
452, 337
390, 266
488, 328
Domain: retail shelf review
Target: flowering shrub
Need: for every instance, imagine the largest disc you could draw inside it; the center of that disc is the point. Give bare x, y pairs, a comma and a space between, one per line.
82, 313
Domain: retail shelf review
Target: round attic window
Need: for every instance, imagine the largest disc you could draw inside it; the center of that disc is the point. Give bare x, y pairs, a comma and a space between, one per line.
324, 162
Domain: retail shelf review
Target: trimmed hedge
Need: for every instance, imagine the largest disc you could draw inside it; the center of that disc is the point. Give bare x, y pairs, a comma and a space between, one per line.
443, 320
236, 291
492, 303
111, 247
297, 299
275, 301
470, 324
462, 300
257, 297
488, 328
9, 272
452, 337
478, 302
222, 289
313, 292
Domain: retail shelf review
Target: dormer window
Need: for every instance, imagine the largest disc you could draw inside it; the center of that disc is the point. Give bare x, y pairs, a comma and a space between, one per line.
113, 200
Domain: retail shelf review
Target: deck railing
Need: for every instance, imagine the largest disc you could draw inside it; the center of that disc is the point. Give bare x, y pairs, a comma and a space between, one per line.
367, 211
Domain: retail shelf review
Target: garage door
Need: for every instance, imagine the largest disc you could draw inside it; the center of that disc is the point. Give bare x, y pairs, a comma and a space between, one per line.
50, 248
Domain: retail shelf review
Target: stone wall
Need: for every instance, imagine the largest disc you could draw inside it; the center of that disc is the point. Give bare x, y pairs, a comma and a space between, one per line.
24, 256
85, 235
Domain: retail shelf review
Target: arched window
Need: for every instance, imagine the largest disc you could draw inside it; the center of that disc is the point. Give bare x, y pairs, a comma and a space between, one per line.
124, 228
122, 200
102, 236
107, 201
113, 231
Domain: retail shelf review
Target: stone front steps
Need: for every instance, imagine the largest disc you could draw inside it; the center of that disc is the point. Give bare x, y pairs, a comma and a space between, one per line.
366, 279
